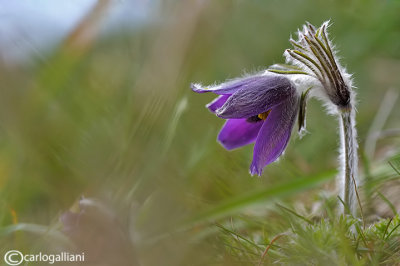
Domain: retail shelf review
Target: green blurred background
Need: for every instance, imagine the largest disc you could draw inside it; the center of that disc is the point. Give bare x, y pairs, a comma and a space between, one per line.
112, 117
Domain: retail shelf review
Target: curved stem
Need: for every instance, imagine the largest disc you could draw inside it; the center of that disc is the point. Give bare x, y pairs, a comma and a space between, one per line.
349, 160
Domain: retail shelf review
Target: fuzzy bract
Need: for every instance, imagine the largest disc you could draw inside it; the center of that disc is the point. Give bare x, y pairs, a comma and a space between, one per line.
314, 54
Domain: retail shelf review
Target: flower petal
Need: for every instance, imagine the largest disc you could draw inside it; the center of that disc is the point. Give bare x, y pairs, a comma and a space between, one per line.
238, 132
258, 96
228, 87
274, 135
217, 103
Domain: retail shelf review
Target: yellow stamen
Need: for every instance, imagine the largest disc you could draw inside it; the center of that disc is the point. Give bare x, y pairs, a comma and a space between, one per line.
264, 115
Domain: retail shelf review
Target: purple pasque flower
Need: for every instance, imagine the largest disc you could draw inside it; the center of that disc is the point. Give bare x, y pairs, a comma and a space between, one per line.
261, 108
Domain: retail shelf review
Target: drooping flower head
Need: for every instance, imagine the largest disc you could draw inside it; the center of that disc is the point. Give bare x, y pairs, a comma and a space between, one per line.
261, 108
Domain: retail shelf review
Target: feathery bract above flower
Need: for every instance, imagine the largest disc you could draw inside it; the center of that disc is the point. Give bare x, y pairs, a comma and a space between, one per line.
261, 109
315, 55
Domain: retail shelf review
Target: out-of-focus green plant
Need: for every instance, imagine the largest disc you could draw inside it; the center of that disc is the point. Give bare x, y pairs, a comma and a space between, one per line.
116, 121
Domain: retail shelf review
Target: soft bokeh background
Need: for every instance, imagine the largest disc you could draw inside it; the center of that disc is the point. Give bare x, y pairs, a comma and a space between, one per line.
104, 111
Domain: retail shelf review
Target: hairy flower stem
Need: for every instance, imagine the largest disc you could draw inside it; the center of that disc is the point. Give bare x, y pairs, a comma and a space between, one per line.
349, 160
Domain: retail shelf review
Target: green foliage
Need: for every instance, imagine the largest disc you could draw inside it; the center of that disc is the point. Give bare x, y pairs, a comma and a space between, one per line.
118, 122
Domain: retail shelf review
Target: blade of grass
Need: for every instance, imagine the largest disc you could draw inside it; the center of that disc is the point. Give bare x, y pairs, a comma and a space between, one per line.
394, 168
239, 236
269, 246
40, 230
294, 213
391, 232
266, 195
387, 227
344, 204
387, 201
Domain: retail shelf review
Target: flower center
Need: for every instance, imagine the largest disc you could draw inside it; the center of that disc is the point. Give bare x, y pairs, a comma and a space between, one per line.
264, 115
259, 117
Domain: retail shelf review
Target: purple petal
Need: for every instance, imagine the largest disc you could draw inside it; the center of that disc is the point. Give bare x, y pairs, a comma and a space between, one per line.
217, 103
238, 132
258, 96
274, 135
228, 87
